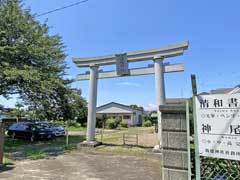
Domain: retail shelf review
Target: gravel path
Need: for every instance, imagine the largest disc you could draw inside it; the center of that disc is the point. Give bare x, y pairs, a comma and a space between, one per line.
86, 166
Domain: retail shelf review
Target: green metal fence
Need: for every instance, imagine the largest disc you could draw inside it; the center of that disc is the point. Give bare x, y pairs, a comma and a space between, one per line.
219, 169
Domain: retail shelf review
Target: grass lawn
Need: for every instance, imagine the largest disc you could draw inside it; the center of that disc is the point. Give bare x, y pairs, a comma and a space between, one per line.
38, 149
130, 150
113, 140
73, 128
116, 136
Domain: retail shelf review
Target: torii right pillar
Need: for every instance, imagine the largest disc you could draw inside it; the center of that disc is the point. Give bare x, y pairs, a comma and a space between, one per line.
160, 93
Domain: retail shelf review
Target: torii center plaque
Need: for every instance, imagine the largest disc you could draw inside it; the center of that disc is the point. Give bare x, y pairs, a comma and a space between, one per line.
121, 64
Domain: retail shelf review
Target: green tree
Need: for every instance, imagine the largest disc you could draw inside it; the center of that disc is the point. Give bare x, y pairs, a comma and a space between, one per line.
72, 105
31, 61
32, 64
101, 120
68, 105
18, 112
136, 107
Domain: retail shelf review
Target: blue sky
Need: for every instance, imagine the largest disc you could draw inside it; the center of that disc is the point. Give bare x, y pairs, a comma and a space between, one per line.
101, 27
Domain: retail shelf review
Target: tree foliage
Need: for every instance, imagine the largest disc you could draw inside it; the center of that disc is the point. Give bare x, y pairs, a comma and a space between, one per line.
30, 59
32, 64
136, 107
68, 105
18, 111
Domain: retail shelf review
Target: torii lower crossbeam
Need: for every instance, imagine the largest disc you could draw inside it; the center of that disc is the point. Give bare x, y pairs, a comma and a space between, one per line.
132, 72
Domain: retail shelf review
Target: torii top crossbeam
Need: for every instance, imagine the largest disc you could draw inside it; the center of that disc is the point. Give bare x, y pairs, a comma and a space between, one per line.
163, 52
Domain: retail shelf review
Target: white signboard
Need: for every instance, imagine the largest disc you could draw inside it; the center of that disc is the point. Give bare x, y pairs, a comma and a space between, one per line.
122, 64
218, 125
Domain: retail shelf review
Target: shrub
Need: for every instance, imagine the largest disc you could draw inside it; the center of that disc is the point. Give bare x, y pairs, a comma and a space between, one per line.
100, 120
74, 123
118, 122
147, 124
124, 124
146, 117
149, 118
60, 122
111, 123
84, 124
70, 123
77, 125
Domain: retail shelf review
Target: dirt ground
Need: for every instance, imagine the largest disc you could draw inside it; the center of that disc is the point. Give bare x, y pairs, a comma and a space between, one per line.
86, 166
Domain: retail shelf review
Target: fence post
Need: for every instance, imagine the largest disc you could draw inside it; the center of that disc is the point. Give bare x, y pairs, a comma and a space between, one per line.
1, 142
102, 131
188, 140
197, 157
66, 131
137, 139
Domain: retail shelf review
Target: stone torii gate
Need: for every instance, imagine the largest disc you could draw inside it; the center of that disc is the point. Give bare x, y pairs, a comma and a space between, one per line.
121, 60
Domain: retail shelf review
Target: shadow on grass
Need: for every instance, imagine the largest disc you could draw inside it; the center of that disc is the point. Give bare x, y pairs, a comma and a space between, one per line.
7, 167
20, 149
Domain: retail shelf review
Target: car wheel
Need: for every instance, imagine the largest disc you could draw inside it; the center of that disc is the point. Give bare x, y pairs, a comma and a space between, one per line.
32, 138
13, 135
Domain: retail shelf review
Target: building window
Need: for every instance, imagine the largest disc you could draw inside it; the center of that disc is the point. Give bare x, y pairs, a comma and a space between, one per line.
126, 117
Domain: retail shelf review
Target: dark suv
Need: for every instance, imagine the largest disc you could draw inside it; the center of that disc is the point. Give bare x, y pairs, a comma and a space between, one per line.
57, 130
29, 130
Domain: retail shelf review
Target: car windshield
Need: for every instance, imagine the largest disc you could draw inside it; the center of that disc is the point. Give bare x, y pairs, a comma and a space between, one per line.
39, 127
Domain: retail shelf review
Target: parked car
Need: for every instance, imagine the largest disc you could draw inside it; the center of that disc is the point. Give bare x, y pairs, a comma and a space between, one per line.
57, 130
29, 130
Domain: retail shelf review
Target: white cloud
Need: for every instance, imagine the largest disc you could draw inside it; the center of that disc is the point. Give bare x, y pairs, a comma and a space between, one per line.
126, 83
150, 107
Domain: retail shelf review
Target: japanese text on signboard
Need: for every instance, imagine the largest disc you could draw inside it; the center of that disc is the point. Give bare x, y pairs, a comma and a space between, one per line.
122, 64
218, 125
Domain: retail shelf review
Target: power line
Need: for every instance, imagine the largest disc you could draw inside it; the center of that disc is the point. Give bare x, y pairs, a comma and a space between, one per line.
61, 8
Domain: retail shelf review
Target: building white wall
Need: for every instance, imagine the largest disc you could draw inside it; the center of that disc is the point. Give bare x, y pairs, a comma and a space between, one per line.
114, 109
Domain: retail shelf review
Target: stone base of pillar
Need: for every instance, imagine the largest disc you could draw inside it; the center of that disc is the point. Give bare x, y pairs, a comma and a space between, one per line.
88, 144
157, 149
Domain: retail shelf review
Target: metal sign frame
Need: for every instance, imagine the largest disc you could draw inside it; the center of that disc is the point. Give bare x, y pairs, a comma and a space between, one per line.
188, 140
197, 157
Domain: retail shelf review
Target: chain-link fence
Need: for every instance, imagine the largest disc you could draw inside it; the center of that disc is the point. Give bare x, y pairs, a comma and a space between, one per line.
219, 169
